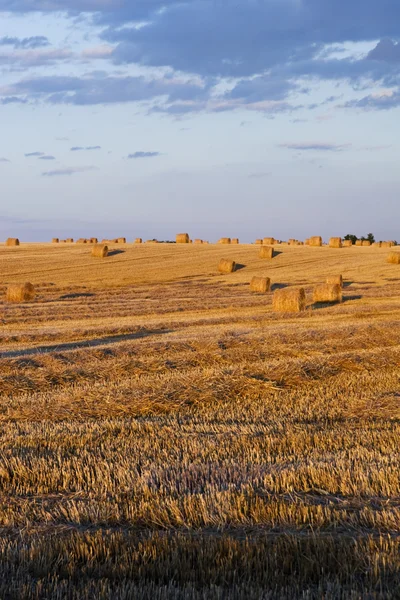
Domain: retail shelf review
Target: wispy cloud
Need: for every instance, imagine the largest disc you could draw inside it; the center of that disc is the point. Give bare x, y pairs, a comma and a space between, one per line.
318, 146
4, 160
80, 148
37, 41
47, 157
144, 154
68, 171
259, 175
31, 154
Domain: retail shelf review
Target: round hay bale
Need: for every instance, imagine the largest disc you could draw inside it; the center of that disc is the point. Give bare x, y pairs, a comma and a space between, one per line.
358, 243
138, 241
81, 241
121, 240
347, 243
20, 292
386, 244
335, 280
225, 240
55, 241
69, 240
289, 300
100, 250
226, 266
94, 240
377, 244
315, 241
12, 242
260, 284
335, 242
182, 238
292, 242
197, 241
258, 242
235, 241
266, 252
393, 258
269, 241
366, 243
327, 292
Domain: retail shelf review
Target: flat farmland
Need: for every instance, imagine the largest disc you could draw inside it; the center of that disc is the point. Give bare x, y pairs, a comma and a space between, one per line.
165, 434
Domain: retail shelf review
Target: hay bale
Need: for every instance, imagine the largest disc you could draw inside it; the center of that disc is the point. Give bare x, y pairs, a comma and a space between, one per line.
269, 241
347, 243
335, 242
292, 241
81, 241
235, 241
55, 241
12, 242
260, 284
20, 292
315, 241
306, 242
289, 300
358, 243
377, 244
259, 242
386, 244
393, 258
94, 240
266, 252
100, 250
366, 243
225, 240
138, 241
69, 240
335, 280
197, 241
182, 238
226, 266
327, 292
121, 240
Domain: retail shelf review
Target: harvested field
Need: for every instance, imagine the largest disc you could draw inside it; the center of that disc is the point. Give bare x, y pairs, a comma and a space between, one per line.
165, 434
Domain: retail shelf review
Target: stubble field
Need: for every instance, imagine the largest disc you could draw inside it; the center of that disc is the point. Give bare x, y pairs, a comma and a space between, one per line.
164, 434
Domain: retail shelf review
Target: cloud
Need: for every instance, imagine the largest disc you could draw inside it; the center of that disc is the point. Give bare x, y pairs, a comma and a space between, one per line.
80, 148
384, 100
35, 58
385, 50
37, 153
68, 171
98, 88
318, 146
259, 175
37, 41
13, 100
144, 154
47, 157
4, 160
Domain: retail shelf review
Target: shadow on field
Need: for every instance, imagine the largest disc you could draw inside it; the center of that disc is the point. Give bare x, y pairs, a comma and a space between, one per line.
94, 343
278, 286
115, 252
77, 295
356, 297
347, 283
239, 267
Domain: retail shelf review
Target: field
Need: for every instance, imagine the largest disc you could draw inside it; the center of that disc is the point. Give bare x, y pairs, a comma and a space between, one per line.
164, 434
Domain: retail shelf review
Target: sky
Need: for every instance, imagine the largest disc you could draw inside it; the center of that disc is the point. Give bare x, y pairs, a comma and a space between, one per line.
241, 118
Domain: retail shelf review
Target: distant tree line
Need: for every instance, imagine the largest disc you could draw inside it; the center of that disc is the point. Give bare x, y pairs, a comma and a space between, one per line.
369, 237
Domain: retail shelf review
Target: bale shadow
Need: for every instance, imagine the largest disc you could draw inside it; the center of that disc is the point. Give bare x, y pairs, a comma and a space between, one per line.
77, 295
278, 286
277, 253
355, 297
115, 252
239, 267
347, 283
319, 305
93, 343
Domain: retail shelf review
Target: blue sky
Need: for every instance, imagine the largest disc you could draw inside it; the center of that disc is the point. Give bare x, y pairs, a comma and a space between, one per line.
252, 118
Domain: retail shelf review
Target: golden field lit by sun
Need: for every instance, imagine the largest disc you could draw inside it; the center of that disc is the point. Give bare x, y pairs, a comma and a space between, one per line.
167, 433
